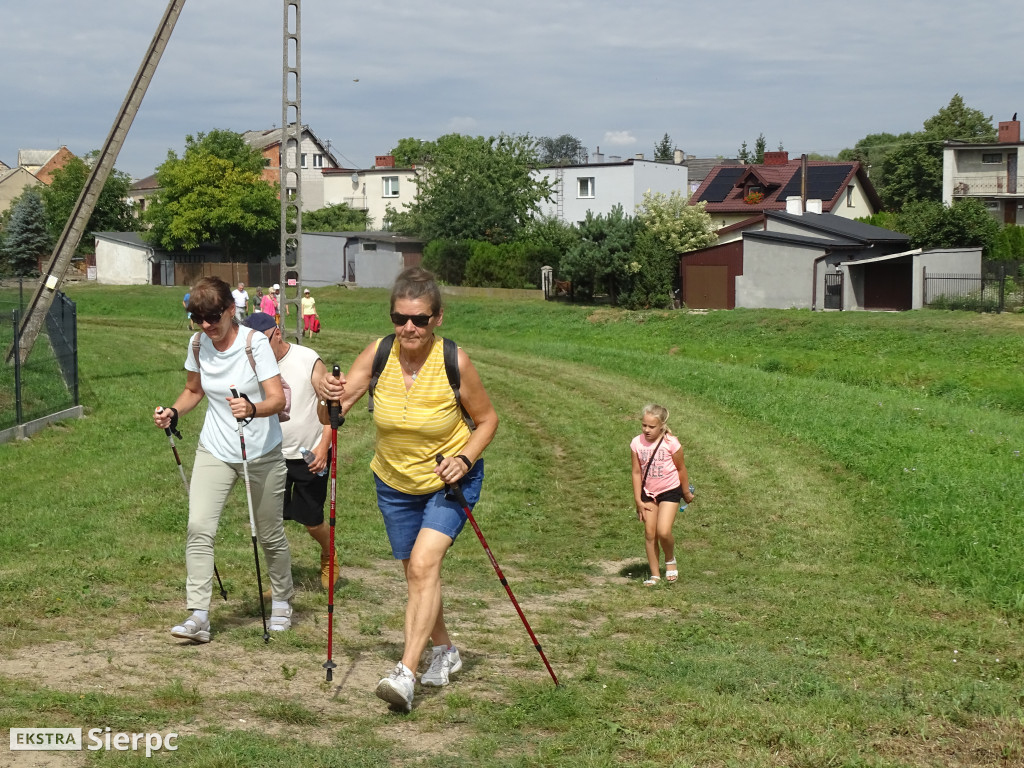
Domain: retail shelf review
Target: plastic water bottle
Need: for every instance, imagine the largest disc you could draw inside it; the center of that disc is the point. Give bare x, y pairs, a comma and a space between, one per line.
310, 458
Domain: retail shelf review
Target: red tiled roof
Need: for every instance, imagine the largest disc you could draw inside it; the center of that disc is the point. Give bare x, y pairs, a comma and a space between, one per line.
778, 182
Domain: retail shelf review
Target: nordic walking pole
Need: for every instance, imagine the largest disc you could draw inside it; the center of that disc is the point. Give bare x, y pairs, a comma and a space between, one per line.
334, 410
252, 525
171, 433
456, 491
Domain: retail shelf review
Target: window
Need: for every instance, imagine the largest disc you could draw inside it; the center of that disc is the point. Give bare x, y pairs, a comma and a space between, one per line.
390, 186
266, 162
849, 196
303, 160
369, 246
991, 158
586, 186
318, 161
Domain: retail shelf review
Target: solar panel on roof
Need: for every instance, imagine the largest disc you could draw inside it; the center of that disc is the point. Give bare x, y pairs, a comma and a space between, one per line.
721, 185
822, 182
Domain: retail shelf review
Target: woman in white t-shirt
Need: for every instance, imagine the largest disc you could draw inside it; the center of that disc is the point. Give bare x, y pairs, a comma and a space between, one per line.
221, 364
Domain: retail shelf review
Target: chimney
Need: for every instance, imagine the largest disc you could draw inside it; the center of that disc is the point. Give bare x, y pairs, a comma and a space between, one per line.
794, 205
776, 158
638, 156
597, 157
1009, 131
814, 205
384, 161
678, 157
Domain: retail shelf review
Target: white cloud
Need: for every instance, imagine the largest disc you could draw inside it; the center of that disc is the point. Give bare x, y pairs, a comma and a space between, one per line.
619, 138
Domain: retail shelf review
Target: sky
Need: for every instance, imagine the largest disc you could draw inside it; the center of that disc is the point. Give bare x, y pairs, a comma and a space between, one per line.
813, 76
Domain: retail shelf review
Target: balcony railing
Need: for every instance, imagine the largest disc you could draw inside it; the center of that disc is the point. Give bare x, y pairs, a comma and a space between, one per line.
980, 184
357, 203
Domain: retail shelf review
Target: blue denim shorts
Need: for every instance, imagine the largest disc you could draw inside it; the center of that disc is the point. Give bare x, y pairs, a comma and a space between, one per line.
405, 514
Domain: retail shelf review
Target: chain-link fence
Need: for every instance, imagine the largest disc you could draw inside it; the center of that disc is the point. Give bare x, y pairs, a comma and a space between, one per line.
46, 384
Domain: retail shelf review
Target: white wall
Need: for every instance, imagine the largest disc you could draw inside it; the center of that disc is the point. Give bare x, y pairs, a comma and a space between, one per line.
776, 276
121, 264
614, 184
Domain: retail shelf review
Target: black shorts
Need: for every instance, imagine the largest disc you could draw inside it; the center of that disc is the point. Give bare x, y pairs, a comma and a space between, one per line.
673, 494
305, 493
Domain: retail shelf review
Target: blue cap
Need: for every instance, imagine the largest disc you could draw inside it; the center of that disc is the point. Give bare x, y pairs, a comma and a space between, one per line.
260, 321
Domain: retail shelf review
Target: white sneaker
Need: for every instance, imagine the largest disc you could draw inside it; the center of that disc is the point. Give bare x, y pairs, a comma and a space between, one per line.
442, 663
281, 619
193, 629
397, 688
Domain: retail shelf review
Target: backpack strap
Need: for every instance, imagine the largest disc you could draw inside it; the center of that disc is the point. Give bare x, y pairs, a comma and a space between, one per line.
451, 368
380, 359
248, 351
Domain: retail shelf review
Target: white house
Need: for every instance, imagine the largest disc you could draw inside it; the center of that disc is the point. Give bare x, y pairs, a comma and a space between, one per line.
599, 186
373, 190
123, 258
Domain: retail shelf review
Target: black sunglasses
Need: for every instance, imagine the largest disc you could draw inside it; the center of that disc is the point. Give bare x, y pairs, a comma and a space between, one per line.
211, 319
420, 321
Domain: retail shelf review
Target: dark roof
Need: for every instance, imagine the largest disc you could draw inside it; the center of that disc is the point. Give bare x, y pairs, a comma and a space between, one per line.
723, 189
838, 226
794, 239
127, 238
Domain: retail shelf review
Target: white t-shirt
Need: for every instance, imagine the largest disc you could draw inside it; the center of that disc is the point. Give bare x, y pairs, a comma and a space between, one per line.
220, 371
303, 428
241, 298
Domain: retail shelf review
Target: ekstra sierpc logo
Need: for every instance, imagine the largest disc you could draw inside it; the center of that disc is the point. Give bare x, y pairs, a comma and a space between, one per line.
70, 739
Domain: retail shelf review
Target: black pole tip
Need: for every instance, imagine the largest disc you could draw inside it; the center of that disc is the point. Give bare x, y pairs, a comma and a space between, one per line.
266, 637
224, 594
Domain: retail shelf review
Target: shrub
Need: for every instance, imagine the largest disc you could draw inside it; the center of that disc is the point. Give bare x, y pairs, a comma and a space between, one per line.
447, 260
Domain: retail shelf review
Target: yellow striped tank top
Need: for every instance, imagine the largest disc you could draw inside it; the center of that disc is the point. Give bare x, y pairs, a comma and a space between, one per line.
414, 426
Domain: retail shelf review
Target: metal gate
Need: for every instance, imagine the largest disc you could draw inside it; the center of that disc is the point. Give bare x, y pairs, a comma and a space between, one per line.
833, 290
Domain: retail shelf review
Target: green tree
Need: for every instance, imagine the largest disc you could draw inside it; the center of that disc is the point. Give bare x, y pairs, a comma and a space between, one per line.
476, 188
600, 261
650, 274
562, 150
25, 238
755, 157
335, 218
447, 260
913, 170
113, 212
965, 223
681, 227
215, 193
410, 152
871, 152
1008, 244
664, 150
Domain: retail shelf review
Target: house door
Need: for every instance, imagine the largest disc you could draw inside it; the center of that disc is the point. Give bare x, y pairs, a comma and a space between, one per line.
157, 273
706, 287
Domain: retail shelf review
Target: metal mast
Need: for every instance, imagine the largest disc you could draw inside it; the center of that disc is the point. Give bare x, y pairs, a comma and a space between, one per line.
291, 164
67, 244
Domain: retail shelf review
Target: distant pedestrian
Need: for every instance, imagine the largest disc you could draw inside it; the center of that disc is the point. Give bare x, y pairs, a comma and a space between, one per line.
241, 298
276, 289
660, 482
309, 313
188, 315
268, 305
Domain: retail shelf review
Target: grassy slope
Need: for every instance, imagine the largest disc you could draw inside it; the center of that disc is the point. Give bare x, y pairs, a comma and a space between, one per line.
849, 591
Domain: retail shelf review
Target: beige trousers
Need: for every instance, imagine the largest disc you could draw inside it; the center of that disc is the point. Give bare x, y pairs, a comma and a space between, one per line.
212, 481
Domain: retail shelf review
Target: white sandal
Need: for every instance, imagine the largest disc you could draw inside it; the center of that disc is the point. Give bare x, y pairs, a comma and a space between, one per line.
652, 582
671, 574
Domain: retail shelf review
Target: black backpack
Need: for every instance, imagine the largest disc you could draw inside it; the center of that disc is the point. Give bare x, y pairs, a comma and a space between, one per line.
451, 368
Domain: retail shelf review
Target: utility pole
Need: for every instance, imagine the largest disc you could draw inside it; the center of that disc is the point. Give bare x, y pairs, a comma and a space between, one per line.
67, 244
291, 165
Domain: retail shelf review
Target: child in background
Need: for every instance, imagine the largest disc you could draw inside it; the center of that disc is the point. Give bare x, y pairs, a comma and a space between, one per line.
660, 482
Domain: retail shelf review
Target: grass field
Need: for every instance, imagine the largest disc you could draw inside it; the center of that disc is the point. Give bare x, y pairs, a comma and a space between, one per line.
850, 593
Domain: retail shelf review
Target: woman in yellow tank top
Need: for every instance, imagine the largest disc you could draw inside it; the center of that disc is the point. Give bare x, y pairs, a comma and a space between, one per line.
416, 418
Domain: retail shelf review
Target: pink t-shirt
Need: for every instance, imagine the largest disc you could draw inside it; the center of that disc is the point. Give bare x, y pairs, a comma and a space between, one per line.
663, 475
267, 304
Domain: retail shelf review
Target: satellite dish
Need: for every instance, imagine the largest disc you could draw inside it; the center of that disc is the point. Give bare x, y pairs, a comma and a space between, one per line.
355, 178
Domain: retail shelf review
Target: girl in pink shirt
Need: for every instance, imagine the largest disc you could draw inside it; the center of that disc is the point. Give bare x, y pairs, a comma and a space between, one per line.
659, 480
